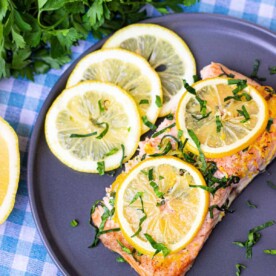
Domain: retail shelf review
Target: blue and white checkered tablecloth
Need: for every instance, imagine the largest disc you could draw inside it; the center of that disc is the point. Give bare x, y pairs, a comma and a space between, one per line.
21, 249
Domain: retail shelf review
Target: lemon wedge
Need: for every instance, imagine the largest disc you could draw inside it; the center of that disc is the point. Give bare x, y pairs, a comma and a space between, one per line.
127, 70
155, 200
9, 169
166, 52
225, 115
93, 127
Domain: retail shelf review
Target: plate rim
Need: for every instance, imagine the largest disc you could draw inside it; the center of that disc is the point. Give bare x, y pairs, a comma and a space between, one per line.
39, 124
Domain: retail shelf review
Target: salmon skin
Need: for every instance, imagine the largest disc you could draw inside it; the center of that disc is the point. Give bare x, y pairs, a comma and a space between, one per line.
245, 165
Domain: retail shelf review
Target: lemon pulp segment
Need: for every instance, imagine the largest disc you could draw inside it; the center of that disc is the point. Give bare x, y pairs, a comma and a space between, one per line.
90, 108
230, 125
166, 52
173, 219
9, 169
127, 70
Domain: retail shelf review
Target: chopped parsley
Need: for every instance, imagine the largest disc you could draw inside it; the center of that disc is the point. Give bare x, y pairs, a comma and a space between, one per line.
101, 167
155, 187
103, 133
254, 74
169, 116
250, 204
244, 113
83, 135
253, 237
158, 101
272, 70
218, 123
112, 151
162, 130
179, 133
74, 223
189, 88
197, 143
124, 248
225, 74
123, 155
147, 123
223, 208
157, 246
101, 106
196, 78
120, 259
239, 268
240, 85
166, 150
271, 184
269, 124
202, 116
142, 219
144, 101
270, 251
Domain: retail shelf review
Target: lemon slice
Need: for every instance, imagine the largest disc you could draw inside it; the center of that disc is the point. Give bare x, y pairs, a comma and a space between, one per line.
166, 52
174, 211
93, 127
127, 70
9, 169
233, 119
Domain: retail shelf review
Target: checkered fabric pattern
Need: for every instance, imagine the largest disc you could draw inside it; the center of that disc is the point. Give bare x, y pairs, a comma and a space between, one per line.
21, 249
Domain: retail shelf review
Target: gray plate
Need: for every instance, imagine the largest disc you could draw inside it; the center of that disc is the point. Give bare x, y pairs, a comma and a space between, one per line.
59, 194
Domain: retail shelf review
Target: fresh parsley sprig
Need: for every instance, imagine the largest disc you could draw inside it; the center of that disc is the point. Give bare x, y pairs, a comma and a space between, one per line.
37, 35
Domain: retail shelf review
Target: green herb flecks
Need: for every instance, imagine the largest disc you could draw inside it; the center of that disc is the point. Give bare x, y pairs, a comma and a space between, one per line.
223, 208
179, 133
158, 101
189, 88
239, 97
269, 124
74, 223
162, 130
196, 78
169, 116
100, 230
270, 251
254, 74
124, 248
225, 74
101, 108
112, 151
147, 123
250, 204
120, 260
240, 85
272, 70
166, 150
74, 135
253, 237
104, 132
123, 155
203, 105
150, 174
142, 219
218, 184
202, 116
239, 268
155, 187
218, 123
101, 167
271, 184
159, 247
144, 101
197, 143
243, 112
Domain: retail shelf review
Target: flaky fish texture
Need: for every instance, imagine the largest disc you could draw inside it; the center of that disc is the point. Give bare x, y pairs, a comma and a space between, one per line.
244, 164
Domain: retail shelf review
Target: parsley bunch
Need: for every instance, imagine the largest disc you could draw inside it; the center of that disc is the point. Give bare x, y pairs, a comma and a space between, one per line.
37, 35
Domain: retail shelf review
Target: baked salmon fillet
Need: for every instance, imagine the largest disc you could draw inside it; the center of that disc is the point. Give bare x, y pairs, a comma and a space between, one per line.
244, 165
